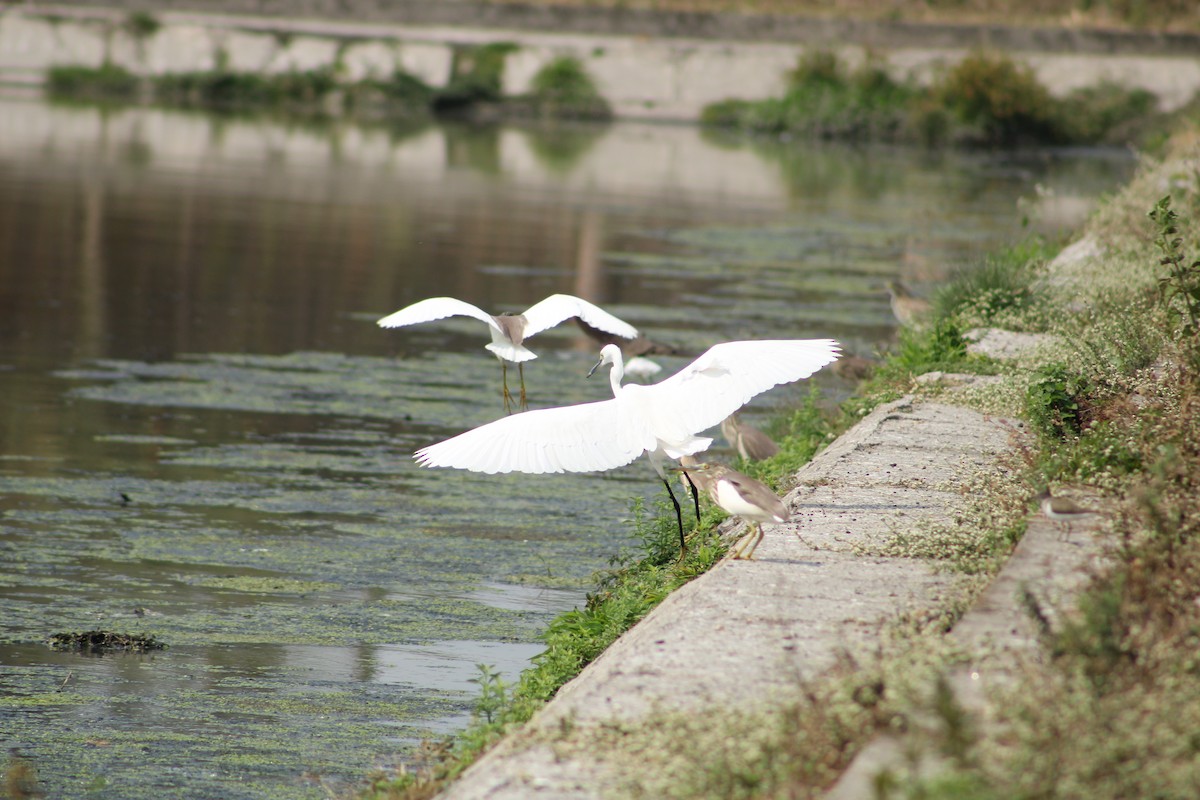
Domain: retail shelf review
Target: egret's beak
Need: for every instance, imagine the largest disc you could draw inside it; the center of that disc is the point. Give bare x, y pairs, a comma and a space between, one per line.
593, 369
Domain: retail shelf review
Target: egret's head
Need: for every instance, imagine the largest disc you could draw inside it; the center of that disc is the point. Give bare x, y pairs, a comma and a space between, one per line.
608, 355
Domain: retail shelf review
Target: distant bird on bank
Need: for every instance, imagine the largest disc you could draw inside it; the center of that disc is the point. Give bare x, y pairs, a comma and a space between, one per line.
908, 309
749, 442
660, 420
854, 368
738, 494
1061, 509
509, 331
635, 350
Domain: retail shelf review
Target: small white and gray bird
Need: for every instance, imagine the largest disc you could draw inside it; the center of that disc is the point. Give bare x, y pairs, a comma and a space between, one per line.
740, 495
509, 331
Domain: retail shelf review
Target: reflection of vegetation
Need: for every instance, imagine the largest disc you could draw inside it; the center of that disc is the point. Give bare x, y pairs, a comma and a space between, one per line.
828, 171
563, 90
984, 99
475, 147
559, 148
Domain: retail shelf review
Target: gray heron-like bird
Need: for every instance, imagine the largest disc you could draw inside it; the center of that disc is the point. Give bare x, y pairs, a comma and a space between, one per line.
738, 494
749, 442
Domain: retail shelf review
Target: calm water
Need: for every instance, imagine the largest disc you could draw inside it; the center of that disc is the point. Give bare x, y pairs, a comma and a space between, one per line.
206, 438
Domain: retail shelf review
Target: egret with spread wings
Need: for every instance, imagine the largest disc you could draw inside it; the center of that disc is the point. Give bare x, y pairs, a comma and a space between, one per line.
509, 331
661, 420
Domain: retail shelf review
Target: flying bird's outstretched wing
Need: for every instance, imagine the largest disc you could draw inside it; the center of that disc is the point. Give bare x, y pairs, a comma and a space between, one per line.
560, 307
435, 308
726, 376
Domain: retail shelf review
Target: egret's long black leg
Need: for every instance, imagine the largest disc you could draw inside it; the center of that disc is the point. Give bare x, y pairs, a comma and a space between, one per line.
678, 517
695, 496
521, 370
504, 384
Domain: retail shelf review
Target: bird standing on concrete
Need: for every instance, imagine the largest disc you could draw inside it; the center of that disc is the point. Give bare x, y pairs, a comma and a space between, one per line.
1061, 509
908, 309
740, 495
749, 442
660, 420
509, 331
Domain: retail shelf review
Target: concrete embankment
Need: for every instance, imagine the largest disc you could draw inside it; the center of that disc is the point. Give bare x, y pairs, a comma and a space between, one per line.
646, 65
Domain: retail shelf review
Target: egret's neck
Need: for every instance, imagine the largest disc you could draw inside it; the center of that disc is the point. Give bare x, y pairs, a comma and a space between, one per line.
616, 374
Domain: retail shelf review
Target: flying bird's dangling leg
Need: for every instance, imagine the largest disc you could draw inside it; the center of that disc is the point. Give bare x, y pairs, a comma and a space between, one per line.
504, 383
521, 371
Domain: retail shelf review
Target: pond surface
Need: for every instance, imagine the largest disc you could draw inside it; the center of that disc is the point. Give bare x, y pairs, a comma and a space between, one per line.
207, 439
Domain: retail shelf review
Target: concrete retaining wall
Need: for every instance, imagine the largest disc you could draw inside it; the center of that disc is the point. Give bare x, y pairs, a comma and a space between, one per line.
668, 77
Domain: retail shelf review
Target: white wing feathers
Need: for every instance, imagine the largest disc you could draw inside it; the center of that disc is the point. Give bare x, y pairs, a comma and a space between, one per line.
580, 438
728, 375
559, 307
435, 308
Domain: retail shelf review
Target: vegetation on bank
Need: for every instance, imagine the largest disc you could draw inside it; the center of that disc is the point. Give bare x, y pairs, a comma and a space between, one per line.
560, 90
985, 99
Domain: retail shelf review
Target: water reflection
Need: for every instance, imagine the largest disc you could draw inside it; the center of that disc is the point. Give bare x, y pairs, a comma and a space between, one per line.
207, 438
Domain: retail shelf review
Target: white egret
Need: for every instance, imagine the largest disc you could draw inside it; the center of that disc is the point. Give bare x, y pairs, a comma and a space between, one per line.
749, 442
740, 495
509, 331
660, 420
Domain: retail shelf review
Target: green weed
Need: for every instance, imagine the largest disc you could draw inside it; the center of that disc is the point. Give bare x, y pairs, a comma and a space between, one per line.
985, 99
997, 291
107, 82
997, 101
1055, 401
823, 100
142, 24
245, 90
1179, 289
476, 77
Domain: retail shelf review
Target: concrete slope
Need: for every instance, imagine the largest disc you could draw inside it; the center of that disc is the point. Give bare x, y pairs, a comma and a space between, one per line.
747, 630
